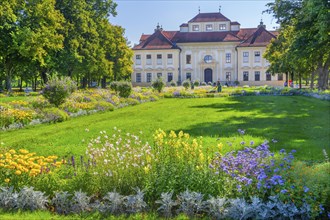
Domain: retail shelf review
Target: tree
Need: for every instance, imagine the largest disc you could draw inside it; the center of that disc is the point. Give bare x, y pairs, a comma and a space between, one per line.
29, 31
307, 47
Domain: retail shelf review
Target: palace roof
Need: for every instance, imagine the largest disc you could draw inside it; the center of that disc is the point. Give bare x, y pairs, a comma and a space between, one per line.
209, 17
261, 37
245, 37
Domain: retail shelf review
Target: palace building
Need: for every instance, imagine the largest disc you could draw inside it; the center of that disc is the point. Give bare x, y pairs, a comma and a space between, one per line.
209, 48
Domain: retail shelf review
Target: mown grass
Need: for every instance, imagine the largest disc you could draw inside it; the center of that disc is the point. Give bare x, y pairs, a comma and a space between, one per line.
299, 123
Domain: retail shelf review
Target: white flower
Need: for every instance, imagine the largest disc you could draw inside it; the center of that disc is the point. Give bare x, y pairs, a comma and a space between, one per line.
87, 130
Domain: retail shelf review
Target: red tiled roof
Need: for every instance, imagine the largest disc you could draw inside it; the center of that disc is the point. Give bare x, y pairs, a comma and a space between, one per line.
169, 34
168, 39
144, 37
245, 33
157, 40
209, 17
261, 37
191, 37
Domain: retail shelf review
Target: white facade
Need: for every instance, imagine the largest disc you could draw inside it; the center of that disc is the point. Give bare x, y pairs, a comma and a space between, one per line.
208, 48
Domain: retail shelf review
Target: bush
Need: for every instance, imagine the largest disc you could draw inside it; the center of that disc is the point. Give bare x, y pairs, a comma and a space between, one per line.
204, 84
196, 83
57, 90
186, 84
104, 106
55, 115
158, 84
173, 83
123, 88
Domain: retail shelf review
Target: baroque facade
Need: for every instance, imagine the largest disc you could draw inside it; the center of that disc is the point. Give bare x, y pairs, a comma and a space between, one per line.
208, 48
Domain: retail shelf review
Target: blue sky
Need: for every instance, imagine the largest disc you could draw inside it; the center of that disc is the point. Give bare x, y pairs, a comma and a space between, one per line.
142, 16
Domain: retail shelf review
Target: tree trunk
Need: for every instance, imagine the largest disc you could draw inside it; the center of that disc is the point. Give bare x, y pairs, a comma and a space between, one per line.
35, 83
43, 75
312, 79
299, 80
8, 82
104, 82
84, 82
21, 85
323, 73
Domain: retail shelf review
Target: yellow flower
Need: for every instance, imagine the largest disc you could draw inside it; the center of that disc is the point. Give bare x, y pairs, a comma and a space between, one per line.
23, 151
12, 151
7, 180
18, 172
146, 169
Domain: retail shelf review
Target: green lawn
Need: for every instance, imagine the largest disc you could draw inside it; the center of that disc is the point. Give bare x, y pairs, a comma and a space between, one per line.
299, 123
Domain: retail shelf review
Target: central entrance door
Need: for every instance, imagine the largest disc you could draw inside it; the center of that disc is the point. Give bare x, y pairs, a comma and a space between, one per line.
208, 75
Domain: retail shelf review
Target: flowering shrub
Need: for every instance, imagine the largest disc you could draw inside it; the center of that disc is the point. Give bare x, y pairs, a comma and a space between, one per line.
17, 166
57, 90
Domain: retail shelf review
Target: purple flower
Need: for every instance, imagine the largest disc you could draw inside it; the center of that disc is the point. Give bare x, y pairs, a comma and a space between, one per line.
251, 143
293, 151
242, 142
242, 132
292, 187
239, 188
306, 189
283, 191
274, 141
282, 151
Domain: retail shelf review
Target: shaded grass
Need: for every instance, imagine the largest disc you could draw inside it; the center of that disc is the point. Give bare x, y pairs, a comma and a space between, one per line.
299, 123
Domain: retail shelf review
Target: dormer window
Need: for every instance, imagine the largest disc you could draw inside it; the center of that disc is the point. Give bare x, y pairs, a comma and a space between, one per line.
195, 27
209, 27
222, 27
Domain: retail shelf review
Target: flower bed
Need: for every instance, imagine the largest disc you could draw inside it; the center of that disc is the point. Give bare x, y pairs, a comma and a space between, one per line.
176, 174
36, 110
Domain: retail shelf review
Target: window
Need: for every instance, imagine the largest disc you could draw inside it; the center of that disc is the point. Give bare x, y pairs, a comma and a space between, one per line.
209, 27
257, 76
208, 59
169, 59
188, 59
149, 77
159, 59
159, 75
268, 76
138, 77
280, 77
245, 76
228, 57
228, 76
245, 57
188, 76
148, 59
169, 77
257, 57
222, 27
138, 59
195, 27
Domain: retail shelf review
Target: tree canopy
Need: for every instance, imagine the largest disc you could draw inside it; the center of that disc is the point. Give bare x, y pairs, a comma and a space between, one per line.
68, 37
303, 46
